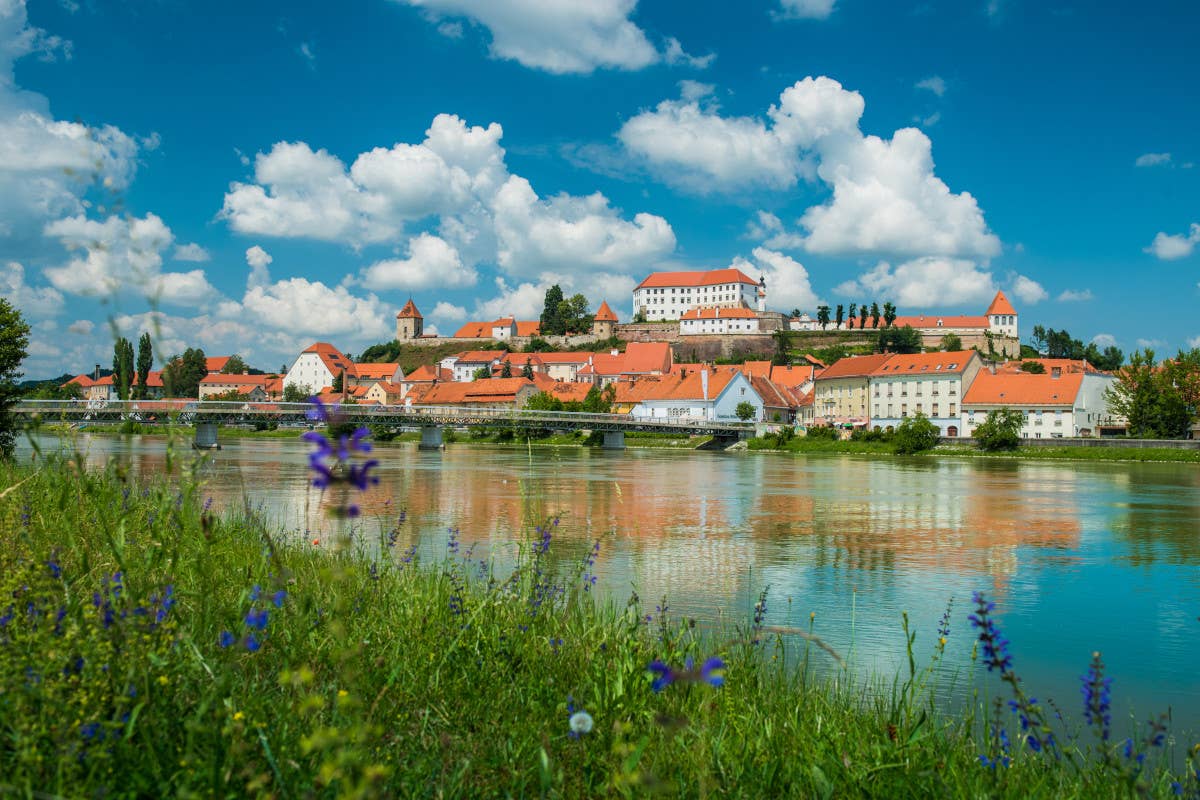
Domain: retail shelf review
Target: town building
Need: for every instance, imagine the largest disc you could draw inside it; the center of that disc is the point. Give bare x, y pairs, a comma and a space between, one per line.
841, 396
932, 384
465, 365
701, 395
669, 295
220, 383
369, 374
996, 330
495, 392
639, 359
384, 393
317, 366
1055, 404
499, 330
409, 323
718, 321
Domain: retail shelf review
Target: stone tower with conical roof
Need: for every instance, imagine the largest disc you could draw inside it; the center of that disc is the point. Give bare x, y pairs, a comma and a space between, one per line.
409, 322
604, 324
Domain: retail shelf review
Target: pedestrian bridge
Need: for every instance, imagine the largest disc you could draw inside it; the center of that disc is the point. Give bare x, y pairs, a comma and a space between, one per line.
208, 415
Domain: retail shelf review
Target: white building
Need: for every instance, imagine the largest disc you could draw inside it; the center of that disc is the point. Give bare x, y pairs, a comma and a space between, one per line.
932, 384
467, 364
1056, 404
718, 320
703, 395
668, 295
317, 366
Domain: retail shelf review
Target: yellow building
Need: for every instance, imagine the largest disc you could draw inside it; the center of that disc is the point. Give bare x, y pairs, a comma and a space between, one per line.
841, 396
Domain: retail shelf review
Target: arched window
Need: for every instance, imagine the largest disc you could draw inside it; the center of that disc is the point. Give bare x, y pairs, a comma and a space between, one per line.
952, 431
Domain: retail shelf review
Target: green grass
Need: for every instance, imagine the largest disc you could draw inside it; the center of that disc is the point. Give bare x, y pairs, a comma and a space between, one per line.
385, 677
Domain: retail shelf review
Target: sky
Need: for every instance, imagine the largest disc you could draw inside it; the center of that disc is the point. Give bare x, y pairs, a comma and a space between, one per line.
254, 177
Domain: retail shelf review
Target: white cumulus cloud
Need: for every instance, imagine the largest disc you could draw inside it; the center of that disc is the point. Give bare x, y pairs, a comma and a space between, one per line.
1169, 247
934, 83
1152, 159
114, 254
431, 262
310, 308
258, 260
1104, 340
788, 283
558, 36
925, 283
806, 9
30, 301
182, 288
81, 327
886, 197
190, 252
1028, 290
1075, 296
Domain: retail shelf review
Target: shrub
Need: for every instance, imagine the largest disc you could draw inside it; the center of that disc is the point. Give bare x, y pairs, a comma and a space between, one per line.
823, 432
915, 434
1000, 431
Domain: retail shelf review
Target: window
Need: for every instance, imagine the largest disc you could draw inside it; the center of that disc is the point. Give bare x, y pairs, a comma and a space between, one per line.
953, 411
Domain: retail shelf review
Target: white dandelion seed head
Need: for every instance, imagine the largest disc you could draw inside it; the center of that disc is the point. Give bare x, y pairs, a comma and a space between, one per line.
581, 722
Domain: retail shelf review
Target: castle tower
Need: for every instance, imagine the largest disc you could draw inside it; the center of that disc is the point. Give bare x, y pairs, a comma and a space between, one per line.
762, 293
604, 324
409, 322
1002, 318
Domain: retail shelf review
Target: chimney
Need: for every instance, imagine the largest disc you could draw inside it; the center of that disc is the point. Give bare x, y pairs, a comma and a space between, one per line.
96, 374
704, 383
614, 352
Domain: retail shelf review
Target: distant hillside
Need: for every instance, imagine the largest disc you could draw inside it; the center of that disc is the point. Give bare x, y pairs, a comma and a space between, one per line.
410, 356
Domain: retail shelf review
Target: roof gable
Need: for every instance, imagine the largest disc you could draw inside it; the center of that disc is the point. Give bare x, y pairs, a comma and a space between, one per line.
1000, 305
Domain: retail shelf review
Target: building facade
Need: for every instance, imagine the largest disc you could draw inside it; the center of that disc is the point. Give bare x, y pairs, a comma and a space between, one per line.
409, 322
718, 321
1054, 404
668, 295
932, 384
841, 395
317, 366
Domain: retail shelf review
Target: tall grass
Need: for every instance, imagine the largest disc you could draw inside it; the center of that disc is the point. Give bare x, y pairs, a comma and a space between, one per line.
152, 647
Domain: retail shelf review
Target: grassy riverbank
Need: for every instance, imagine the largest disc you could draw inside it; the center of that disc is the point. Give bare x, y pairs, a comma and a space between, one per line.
152, 648
803, 445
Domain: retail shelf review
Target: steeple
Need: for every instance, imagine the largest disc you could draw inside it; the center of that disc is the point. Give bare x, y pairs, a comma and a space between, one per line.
409, 322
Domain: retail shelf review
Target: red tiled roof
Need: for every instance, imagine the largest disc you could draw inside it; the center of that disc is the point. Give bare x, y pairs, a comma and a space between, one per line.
244, 380
423, 374
950, 363
719, 313
673, 387
334, 360
530, 328
409, 311
854, 367
1023, 389
927, 321
604, 313
562, 358
792, 376
698, 278
494, 390
643, 357
216, 363
483, 330
82, 380
1000, 305
761, 369
1063, 364
481, 356
376, 371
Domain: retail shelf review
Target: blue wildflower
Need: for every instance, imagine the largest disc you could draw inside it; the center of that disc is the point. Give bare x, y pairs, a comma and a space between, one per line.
252, 643
278, 598
256, 619
226, 639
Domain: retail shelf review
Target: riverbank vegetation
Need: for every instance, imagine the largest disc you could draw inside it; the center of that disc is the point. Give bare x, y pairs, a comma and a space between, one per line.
152, 646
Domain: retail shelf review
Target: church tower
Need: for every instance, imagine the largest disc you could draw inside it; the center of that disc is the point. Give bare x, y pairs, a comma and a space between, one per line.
762, 293
409, 322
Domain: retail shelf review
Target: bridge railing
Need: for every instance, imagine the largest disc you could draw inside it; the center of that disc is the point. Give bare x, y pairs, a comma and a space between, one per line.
413, 413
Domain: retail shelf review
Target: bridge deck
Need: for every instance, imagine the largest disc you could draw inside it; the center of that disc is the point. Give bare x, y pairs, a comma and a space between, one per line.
235, 413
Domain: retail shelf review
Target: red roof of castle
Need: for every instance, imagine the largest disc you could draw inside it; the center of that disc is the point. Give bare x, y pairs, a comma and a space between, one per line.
1000, 305
409, 311
604, 313
710, 278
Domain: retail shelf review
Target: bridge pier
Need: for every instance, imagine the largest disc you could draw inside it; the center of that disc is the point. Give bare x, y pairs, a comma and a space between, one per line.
614, 440
206, 436
431, 438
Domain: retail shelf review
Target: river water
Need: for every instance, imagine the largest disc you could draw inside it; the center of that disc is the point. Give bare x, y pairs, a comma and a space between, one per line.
1079, 557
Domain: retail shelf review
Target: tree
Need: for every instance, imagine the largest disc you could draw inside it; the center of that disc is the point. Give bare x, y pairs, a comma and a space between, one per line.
544, 401
481, 374
899, 340
297, 393
145, 360
551, 321
1108, 360
506, 369
1038, 338
745, 411
538, 345
862, 316
851, 315
640, 315
841, 315
781, 358
823, 316
1033, 367
339, 381
1158, 401
122, 367
889, 314
951, 343
574, 315
795, 312
915, 434
1000, 431
14, 338
182, 374
527, 370
235, 366
599, 401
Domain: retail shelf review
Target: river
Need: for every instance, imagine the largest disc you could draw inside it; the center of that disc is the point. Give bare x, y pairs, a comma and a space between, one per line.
1078, 556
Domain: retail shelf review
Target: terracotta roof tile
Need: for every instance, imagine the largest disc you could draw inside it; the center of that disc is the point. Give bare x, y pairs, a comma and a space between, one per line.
696, 278
1000, 305
1006, 389
604, 313
854, 367
409, 311
949, 363
719, 313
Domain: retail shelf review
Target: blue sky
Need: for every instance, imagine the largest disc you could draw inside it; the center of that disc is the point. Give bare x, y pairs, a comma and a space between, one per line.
253, 181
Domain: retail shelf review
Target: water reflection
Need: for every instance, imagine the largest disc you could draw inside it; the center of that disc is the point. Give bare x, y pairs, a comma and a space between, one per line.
1079, 556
